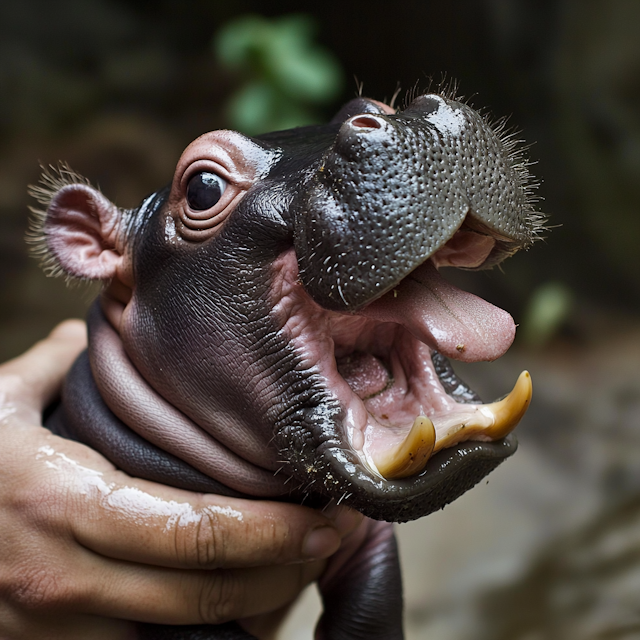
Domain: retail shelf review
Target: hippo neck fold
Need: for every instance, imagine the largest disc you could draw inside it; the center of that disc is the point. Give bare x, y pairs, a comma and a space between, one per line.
151, 416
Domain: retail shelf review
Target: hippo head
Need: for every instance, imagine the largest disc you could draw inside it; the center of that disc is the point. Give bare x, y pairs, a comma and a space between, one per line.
282, 296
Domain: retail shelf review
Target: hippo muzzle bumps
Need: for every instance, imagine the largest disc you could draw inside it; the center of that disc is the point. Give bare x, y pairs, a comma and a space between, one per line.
274, 325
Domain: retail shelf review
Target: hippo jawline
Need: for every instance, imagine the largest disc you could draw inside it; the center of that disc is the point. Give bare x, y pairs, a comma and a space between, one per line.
401, 401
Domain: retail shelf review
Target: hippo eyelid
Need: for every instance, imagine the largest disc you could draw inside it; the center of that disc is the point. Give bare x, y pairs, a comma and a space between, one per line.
201, 215
230, 175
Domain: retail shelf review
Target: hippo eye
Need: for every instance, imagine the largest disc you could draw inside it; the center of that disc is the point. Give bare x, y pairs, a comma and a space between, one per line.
204, 190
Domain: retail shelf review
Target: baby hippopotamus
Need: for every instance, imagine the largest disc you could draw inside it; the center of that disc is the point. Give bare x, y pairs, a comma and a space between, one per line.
274, 325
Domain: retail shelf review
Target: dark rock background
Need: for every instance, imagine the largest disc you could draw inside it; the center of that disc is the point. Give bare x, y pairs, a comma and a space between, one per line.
550, 548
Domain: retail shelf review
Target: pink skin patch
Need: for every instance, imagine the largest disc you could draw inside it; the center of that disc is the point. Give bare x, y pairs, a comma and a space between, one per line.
377, 363
466, 249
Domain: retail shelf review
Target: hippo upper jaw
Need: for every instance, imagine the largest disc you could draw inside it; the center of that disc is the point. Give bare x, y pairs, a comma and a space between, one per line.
393, 189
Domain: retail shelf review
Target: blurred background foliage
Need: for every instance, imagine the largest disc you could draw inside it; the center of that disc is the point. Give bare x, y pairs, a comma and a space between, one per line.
285, 76
118, 88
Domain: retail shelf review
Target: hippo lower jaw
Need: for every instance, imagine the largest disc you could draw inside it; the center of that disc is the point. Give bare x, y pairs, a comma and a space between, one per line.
401, 402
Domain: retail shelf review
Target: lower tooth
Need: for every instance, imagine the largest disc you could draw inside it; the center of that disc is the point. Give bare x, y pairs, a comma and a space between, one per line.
410, 457
485, 422
490, 421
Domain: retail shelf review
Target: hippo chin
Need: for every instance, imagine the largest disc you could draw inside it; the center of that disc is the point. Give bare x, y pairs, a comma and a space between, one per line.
274, 324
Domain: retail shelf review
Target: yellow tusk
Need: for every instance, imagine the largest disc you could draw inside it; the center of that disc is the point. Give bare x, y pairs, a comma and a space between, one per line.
509, 411
411, 455
482, 422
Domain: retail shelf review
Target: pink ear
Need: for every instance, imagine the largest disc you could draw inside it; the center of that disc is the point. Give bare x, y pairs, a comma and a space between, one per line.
81, 229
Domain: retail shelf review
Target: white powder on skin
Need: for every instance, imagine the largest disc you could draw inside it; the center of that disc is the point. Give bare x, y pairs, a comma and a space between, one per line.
131, 501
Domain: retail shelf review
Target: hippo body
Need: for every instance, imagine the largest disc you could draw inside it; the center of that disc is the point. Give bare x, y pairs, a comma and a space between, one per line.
274, 321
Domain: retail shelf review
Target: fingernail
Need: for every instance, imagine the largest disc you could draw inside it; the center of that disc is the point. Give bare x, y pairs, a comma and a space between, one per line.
346, 520
321, 543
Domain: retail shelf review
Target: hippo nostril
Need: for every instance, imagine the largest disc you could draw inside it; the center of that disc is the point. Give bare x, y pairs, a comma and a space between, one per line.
359, 134
365, 122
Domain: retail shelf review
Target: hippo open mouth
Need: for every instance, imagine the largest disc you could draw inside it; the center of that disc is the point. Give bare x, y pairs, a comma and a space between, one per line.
395, 197
387, 363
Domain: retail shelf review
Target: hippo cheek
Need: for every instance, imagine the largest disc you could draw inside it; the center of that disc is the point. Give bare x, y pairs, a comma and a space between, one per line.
409, 436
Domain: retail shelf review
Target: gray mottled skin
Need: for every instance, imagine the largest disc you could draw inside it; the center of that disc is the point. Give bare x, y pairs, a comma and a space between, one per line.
438, 162
202, 348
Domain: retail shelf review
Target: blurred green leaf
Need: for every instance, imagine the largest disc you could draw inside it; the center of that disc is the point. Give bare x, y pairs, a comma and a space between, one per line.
284, 75
258, 107
238, 44
549, 306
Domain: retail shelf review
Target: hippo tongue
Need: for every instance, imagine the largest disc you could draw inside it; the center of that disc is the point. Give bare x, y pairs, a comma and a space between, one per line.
456, 323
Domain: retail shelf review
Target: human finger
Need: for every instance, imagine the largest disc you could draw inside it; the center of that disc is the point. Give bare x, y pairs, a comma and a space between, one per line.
174, 596
46, 570
131, 519
36, 376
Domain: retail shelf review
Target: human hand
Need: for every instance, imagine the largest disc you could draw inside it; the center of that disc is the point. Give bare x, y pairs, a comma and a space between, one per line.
84, 548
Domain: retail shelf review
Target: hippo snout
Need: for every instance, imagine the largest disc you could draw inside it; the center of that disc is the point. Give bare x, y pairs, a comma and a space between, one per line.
393, 189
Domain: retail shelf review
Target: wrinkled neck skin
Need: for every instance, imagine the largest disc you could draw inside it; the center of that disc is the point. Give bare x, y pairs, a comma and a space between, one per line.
200, 335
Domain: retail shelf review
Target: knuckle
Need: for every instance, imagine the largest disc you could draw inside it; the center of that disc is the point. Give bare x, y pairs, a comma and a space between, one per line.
209, 542
200, 543
43, 503
222, 597
274, 538
42, 588
280, 536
